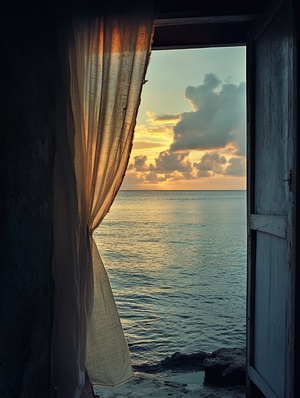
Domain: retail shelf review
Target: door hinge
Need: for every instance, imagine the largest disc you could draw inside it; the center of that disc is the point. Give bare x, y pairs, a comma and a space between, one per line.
289, 180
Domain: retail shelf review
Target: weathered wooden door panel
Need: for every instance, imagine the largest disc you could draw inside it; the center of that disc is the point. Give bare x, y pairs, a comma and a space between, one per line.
270, 303
270, 203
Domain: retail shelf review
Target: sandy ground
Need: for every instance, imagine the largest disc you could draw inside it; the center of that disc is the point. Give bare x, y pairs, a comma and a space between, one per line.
174, 385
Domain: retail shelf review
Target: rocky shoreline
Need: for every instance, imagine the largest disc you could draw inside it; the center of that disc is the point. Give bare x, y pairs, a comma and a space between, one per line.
220, 374
225, 367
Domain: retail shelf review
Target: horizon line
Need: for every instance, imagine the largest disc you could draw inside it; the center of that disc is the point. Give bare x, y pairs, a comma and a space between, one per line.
167, 190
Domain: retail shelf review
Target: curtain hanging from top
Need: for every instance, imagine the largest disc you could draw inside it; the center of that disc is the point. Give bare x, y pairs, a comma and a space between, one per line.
108, 53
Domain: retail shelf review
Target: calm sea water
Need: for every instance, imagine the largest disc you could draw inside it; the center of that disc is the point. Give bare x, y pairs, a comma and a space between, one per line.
177, 266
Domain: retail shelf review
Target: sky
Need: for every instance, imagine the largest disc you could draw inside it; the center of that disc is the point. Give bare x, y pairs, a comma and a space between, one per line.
191, 125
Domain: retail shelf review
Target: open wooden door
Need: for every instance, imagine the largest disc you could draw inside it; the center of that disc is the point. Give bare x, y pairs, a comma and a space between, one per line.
271, 207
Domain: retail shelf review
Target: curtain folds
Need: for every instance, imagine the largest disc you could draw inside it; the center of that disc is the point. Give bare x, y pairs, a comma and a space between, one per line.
108, 53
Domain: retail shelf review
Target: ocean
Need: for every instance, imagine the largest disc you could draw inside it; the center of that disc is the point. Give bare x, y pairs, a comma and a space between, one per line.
177, 266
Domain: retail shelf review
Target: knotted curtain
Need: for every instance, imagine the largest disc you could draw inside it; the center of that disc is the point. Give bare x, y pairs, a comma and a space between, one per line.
108, 53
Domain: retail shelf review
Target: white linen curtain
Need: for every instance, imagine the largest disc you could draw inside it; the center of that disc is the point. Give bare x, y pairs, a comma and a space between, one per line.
108, 53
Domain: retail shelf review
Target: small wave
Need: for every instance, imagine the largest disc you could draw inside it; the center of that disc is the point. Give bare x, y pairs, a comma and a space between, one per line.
176, 362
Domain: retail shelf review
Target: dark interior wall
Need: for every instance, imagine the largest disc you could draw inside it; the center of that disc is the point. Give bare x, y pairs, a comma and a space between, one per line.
27, 113
296, 18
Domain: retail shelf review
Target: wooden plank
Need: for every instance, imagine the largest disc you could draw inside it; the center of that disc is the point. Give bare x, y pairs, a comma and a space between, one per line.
200, 35
270, 310
266, 18
261, 384
273, 225
192, 8
204, 20
292, 361
251, 255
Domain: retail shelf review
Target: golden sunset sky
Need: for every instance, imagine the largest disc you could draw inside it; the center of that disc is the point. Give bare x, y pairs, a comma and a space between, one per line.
191, 125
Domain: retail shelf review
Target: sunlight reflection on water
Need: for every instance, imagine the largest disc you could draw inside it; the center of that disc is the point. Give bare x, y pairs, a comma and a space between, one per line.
177, 266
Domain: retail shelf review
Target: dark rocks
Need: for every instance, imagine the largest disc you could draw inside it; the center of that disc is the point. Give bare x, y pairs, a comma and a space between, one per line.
178, 362
185, 362
225, 367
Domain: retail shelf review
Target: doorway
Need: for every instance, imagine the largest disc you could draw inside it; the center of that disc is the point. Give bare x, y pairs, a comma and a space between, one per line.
179, 221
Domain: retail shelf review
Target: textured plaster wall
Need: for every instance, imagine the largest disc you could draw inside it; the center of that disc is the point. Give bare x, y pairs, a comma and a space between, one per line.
27, 110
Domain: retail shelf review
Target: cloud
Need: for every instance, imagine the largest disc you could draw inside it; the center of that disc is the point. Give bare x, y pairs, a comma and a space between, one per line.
139, 163
167, 162
167, 166
210, 162
215, 127
217, 119
171, 161
132, 179
174, 166
153, 118
236, 167
154, 178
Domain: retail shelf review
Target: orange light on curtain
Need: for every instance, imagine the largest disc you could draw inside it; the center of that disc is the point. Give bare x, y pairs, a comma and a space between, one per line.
108, 53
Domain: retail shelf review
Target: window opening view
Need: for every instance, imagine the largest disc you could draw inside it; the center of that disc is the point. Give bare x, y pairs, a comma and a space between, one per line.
174, 241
